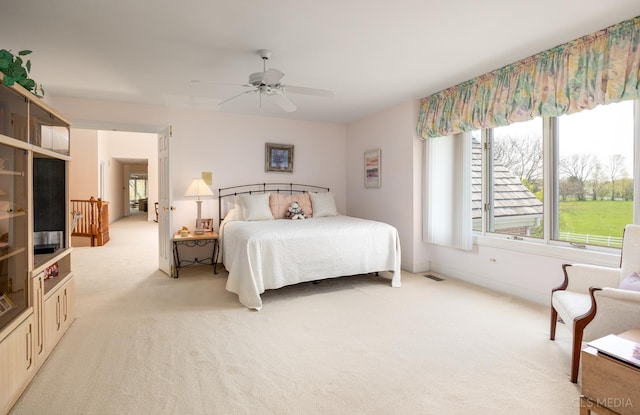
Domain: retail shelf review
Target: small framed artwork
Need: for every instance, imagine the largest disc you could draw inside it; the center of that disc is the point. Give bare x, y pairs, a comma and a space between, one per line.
278, 157
206, 224
372, 169
5, 303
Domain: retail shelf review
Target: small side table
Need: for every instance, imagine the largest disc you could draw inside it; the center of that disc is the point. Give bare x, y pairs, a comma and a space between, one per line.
207, 238
610, 386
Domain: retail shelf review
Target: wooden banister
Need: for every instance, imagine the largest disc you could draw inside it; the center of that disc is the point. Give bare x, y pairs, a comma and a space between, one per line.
91, 219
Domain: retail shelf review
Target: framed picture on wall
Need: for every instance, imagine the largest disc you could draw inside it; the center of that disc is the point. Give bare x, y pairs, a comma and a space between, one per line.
278, 157
372, 169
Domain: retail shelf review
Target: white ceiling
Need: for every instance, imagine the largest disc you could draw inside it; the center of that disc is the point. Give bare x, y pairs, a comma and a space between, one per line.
372, 54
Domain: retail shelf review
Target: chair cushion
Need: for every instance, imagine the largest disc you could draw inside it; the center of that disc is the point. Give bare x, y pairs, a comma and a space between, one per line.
631, 282
570, 304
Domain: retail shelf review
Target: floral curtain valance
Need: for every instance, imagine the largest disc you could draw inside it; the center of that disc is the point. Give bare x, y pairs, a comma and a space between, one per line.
599, 68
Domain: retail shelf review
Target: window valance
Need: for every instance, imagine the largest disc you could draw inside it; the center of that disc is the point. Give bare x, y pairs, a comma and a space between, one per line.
599, 68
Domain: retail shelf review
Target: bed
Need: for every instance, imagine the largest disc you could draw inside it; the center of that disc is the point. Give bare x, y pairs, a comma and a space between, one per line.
263, 250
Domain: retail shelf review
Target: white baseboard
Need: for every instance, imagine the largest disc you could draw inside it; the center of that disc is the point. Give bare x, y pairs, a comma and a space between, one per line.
487, 282
415, 268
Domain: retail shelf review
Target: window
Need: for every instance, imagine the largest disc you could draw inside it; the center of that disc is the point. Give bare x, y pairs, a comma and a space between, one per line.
515, 174
595, 175
137, 188
589, 158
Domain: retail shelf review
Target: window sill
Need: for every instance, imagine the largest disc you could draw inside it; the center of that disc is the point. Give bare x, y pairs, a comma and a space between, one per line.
592, 255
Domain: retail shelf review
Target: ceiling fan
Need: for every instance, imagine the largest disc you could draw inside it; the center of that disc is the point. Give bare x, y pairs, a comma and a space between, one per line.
267, 83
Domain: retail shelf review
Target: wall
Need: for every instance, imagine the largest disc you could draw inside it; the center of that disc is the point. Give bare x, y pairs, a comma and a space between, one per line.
520, 274
422, 253
515, 268
83, 171
230, 146
524, 269
84, 167
393, 131
114, 177
234, 150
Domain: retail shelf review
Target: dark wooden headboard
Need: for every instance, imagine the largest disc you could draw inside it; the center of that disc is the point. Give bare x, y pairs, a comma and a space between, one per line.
284, 188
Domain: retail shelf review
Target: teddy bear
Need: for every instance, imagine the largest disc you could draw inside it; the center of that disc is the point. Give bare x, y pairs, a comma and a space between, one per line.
295, 211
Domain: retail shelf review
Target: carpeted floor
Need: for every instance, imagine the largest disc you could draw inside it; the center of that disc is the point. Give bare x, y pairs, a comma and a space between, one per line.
144, 343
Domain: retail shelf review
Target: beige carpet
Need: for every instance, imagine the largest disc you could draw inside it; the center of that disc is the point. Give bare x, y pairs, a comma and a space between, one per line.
144, 343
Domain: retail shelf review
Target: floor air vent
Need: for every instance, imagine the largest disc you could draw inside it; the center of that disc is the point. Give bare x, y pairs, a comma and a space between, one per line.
433, 277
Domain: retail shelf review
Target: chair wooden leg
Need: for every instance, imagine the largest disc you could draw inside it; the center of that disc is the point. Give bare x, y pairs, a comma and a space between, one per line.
575, 358
576, 349
554, 320
579, 324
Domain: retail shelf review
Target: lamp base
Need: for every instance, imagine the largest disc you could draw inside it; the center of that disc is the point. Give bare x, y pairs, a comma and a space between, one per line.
199, 230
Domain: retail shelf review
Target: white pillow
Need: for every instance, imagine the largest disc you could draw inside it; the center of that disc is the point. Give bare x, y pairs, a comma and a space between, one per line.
232, 215
255, 207
323, 204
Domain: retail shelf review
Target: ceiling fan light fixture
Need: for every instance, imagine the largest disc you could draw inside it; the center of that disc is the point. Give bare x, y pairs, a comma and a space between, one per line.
268, 83
264, 53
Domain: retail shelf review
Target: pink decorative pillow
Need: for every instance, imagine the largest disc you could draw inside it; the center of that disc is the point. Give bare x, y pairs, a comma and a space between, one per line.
280, 203
631, 282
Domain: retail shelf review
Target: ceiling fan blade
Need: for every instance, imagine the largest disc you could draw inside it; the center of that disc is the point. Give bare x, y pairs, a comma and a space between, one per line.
308, 91
253, 91
283, 102
212, 83
272, 76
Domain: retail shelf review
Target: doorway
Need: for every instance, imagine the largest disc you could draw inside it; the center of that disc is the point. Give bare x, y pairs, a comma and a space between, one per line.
138, 194
126, 166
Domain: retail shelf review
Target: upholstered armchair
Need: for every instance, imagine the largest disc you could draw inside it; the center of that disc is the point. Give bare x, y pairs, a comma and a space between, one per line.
594, 301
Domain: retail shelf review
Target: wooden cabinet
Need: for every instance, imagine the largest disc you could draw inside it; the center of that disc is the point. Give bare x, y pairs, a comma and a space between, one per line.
36, 283
53, 305
17, 362
58, 313
39, 350
14, 205
13, 113
610, 386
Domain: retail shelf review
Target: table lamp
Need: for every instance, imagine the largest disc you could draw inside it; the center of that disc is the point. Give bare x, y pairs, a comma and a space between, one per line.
198, 188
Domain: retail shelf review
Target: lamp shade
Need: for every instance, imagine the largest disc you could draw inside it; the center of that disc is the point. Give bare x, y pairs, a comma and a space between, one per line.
198, 188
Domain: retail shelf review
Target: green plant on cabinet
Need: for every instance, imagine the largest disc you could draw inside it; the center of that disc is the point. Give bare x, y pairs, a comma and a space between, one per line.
16, 70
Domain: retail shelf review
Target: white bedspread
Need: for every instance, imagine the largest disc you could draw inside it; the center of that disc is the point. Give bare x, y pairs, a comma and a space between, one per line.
262, 255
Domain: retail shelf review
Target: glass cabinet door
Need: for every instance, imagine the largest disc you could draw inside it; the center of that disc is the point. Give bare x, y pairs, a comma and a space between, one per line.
47, 130
13, 114
14, 291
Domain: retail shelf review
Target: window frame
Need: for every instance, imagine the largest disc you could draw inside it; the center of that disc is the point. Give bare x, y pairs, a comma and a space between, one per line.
547, 245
